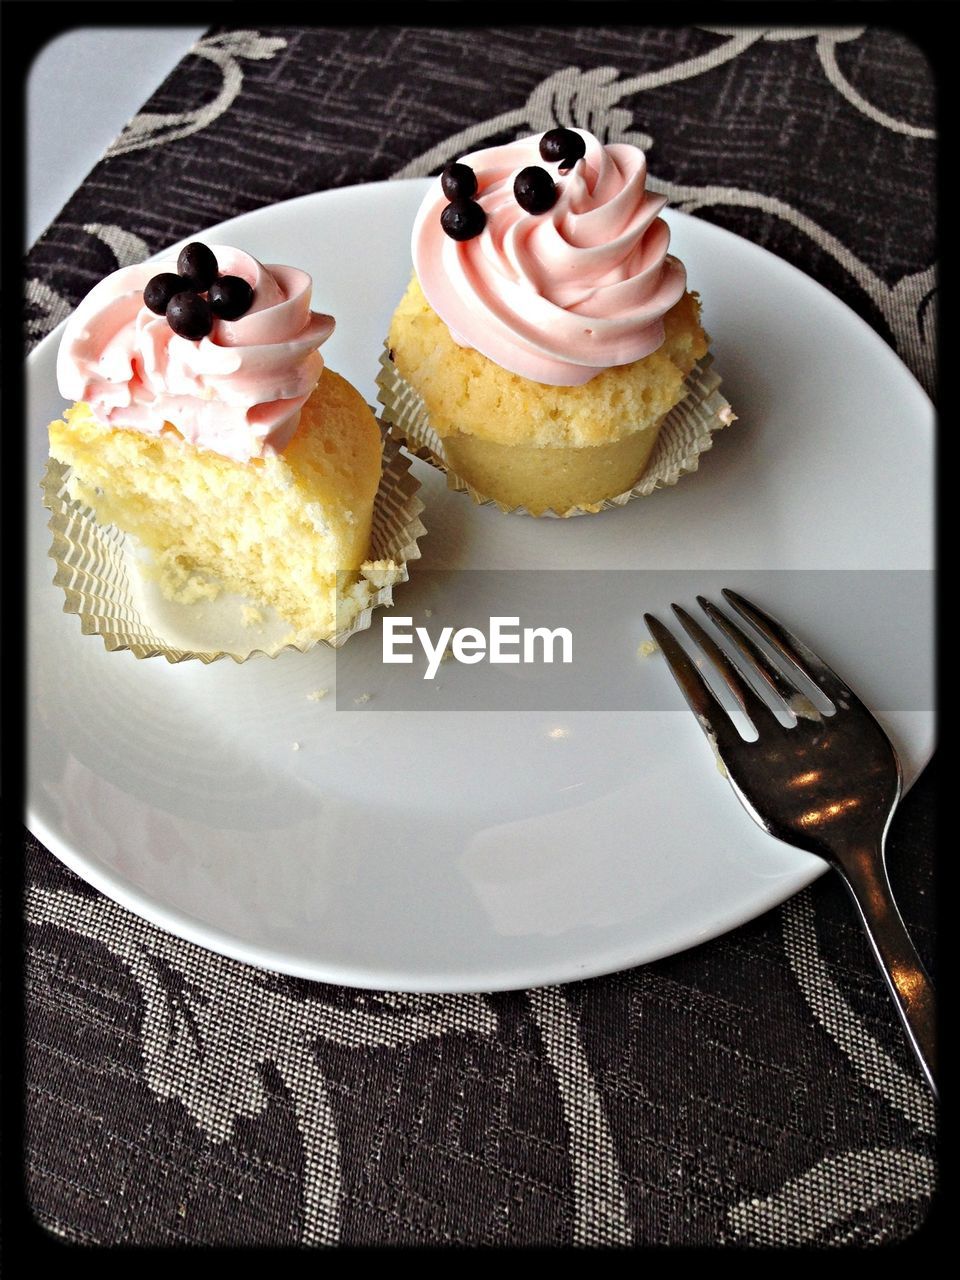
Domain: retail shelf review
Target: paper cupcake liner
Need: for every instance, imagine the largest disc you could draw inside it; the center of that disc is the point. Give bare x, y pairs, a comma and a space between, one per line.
99, 573
687, 432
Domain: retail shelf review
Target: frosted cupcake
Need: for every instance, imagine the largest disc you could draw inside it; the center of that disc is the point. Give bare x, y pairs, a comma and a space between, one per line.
547, 333
207, 428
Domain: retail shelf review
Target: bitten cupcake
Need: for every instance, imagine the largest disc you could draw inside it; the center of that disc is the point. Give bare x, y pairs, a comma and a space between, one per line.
207, 428
547, 333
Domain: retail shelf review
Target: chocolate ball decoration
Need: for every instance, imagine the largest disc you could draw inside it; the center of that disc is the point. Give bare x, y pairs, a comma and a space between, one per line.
230, 297
459, 182
463, 220
198, 266
189, 315
562, 145
161, 289
192, 299
534, 189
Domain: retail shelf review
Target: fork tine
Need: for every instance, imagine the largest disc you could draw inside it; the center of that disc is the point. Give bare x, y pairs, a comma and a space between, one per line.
774, 679
750, 703
704, 704
792, 648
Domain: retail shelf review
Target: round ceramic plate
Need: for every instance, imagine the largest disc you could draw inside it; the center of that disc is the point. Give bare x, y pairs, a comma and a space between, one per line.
480, 850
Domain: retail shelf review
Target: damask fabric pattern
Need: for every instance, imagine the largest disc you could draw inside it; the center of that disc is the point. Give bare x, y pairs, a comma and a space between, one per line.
753, 1091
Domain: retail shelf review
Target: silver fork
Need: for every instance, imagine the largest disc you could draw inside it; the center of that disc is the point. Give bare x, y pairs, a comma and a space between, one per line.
828, 783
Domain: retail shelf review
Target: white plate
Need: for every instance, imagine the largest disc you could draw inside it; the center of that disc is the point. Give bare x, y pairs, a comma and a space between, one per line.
477, 851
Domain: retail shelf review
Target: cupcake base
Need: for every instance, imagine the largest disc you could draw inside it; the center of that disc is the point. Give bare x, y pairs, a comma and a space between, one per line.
547, 477
562, 482
113, 589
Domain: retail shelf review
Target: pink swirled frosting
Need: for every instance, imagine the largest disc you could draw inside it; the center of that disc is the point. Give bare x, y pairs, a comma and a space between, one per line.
238, 391
554, 296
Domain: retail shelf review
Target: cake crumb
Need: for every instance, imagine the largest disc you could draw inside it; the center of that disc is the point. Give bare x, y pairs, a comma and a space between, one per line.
428, 613
446, 655
294, 746
382, 573
182, 586
647, 647
712, 739
364, 697
250, 615
316, 694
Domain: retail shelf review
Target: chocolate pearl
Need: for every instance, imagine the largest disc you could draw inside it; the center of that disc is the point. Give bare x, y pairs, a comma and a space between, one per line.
463, 220
230, 297
459, 182
161, 289
198, 266
189, 315
534, 189
563, 145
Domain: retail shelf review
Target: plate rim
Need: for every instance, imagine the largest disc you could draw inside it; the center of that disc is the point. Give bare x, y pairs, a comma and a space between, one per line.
186, 927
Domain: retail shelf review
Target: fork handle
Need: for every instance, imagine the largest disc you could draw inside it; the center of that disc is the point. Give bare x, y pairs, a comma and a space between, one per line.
865, 875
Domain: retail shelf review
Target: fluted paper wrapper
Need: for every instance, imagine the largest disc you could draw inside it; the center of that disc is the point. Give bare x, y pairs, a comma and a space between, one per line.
105, 583
686, 432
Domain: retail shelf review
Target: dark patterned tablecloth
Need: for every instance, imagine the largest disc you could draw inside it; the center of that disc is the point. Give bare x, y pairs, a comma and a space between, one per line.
753, 1091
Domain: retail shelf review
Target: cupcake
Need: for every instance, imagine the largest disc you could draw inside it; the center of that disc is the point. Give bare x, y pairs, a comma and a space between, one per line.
546, 334
206, 427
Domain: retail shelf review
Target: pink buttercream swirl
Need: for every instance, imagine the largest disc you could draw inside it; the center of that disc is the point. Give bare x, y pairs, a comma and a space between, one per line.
238, 391
554, 296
